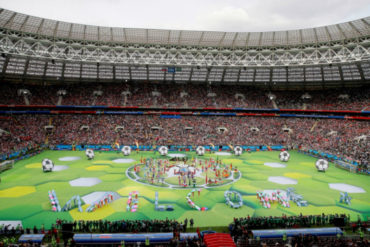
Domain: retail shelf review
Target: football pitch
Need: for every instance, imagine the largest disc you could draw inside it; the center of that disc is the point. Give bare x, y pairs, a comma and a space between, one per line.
24, 189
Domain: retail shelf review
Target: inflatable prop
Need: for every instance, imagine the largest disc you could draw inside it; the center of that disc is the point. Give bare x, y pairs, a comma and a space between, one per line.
132, 201
161, 207
126, 150
54, 201
76, 203
47, 165
89, 154
284, 156
163, 150
345, 198
238, 150
103, 200
200, 150
266, 199
191, 203
298, 199
237, 202
322, 165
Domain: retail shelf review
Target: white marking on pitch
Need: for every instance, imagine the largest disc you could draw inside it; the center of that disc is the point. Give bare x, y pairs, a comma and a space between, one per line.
282, 180
84, 182
176, 155
222, 153
70, 158
347, 188
60, 168
94, 196
123, 161
275, 165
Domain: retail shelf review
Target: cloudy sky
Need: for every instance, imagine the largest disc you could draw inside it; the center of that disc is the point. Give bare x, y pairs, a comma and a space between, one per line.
214, 15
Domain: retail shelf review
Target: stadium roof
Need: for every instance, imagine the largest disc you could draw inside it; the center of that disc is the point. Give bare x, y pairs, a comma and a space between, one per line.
64, 30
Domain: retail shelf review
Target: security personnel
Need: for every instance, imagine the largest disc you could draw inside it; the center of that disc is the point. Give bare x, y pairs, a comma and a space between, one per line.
147, 241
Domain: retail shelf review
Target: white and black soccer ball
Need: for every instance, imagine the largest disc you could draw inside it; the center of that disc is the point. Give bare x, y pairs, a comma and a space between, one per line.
200, 150
90, 154
322, 165
47, 165
284, 156
238, 150
163, 150
126, 150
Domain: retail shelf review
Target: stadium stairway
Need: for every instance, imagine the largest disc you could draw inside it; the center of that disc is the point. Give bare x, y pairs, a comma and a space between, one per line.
219, 240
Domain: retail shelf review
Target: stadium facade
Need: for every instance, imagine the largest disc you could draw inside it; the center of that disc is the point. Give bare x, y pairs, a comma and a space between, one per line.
40, 50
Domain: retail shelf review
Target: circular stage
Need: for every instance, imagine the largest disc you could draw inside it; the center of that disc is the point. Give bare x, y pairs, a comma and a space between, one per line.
200, 173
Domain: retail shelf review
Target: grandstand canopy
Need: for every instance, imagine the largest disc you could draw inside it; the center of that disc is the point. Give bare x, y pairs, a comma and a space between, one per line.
51, 50
58, 29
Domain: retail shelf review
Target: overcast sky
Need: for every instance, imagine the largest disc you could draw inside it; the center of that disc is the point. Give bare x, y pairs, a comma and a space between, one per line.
213, 15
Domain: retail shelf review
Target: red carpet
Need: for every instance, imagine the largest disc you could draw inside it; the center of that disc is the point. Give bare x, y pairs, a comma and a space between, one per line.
219, 240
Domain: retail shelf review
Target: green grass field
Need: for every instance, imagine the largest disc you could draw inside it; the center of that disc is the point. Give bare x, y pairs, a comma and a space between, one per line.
24, 189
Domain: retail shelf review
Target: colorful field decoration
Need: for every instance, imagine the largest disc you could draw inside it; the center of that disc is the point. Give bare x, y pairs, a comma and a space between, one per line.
236, 202
55, 207
132, 201
276, 196
345, 198
298, 199
72, 203
191, 203
103, 200
161, 207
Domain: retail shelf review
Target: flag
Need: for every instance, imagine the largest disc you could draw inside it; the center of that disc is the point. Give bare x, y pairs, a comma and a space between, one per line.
231, 146
137, 144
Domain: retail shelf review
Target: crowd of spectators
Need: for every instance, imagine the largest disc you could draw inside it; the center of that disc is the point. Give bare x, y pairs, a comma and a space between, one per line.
141, 94
132, 226
303, 241
246, 223
343, 138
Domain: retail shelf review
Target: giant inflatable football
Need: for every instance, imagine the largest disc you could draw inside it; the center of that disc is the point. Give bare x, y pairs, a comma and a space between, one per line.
284, 156
200, 150
89, 154
126, 150
47, 165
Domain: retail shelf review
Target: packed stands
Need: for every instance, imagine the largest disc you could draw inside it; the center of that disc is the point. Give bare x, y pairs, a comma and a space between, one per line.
186, 95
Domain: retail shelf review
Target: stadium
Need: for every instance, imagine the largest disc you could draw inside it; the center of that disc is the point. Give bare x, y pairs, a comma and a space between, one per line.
129, 136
